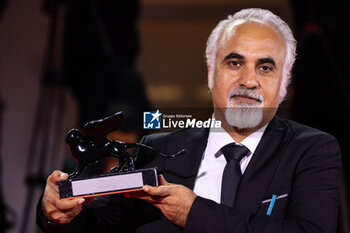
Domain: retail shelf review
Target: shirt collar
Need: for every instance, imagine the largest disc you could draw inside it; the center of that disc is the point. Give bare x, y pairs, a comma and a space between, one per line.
218, 137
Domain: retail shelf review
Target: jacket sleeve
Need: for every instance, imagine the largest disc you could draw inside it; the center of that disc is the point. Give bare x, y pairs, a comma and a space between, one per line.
312, 205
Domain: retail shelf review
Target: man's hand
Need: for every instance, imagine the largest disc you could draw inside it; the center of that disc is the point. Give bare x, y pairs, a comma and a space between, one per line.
60, 211
173, 200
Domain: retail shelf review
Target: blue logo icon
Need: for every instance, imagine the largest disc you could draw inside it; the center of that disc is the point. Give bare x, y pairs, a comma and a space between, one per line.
151, 120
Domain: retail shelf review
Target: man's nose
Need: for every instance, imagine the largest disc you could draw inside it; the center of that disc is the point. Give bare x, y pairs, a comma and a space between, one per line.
249, 78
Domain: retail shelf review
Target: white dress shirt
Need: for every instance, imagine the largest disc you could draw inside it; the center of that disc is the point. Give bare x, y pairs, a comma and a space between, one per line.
209, 177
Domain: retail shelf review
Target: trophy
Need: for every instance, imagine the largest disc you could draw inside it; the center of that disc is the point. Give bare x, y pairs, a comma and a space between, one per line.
92, 146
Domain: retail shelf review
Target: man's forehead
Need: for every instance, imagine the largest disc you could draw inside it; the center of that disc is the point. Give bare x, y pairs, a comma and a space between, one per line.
248, 35
256, 29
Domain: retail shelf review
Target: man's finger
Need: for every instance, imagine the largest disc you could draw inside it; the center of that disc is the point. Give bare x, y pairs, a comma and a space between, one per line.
54, 178
162, 180
157, 191
57, 176
63, 176
68, 204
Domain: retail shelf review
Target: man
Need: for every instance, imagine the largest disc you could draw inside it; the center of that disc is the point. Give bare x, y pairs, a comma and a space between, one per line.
290, 172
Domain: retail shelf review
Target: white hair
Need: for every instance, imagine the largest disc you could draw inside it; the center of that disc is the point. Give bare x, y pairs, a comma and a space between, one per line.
227, 27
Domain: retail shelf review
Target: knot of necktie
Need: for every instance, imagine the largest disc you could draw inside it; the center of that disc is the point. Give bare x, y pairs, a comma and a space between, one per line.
234, 151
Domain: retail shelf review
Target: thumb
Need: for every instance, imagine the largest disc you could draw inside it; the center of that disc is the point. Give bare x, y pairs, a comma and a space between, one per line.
57, 176
162, 180
63, 176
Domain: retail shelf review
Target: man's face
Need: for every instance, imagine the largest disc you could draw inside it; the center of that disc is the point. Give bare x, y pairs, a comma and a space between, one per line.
248, 74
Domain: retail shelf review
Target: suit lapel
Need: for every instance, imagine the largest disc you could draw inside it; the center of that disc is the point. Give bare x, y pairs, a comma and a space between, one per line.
184, 169
257, 176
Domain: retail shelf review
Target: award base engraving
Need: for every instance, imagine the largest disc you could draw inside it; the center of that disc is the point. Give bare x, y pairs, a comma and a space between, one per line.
106, 184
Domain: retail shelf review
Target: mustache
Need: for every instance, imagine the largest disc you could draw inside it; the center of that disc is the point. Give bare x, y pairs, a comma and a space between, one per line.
244, 92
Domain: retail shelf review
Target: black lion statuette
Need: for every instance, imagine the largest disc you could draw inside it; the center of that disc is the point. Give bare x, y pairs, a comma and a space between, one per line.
90, 148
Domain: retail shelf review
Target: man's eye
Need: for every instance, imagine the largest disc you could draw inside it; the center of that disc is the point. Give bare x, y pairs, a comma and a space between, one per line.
265, 68
234, 63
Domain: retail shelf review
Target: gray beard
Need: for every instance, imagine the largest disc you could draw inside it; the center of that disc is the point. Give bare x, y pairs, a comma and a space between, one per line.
243, 116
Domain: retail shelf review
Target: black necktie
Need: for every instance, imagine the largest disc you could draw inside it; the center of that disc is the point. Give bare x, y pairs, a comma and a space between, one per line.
232, 173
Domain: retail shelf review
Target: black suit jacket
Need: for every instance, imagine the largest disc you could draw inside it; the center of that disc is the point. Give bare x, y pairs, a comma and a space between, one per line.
299, 164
